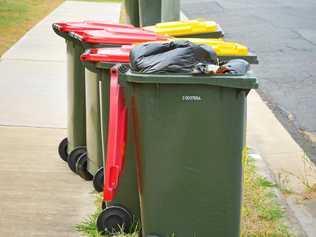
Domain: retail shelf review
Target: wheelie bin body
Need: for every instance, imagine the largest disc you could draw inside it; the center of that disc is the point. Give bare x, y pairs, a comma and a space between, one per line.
152, 12
98, 63
126, 199
95, 67
170, 10
130, 12
189, 131
111, 35
93, 39
75, 83
188, 28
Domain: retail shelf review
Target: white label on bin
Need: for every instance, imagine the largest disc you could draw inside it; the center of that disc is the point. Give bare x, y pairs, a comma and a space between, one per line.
191, 98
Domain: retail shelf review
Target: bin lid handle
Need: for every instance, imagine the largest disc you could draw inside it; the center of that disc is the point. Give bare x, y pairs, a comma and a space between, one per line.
117, 130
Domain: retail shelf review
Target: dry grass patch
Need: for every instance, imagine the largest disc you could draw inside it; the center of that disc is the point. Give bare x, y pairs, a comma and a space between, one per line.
18, 16
262, 214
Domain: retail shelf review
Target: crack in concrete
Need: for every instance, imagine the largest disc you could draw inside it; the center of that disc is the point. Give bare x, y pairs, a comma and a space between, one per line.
304, 38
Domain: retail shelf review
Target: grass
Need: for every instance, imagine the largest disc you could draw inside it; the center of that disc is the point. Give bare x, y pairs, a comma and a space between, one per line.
118, 1
262, 215
18, 16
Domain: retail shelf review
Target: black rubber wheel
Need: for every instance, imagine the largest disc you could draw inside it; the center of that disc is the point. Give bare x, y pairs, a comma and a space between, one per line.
74, 156
81, 167
98, 180
114, 219
62, 149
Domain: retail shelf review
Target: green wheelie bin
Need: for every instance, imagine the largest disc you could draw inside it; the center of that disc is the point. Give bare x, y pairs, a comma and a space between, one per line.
76, 137
189, 133
152, 12
124, 207
90, 162
96, 124
80, 36
121, 212
130, 12
98, 63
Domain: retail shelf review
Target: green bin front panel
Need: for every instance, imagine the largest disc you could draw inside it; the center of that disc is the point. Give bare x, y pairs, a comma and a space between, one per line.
189, 157
127, 194
97, 132
76, 116
92, 109
93, 122
152, 12
170, 10
104, 109
130, 12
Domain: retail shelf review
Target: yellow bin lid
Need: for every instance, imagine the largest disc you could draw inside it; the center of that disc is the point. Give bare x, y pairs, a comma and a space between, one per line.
221, 47
184, 28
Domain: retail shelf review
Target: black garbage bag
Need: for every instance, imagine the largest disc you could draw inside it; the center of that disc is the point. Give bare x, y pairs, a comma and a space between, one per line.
172, 57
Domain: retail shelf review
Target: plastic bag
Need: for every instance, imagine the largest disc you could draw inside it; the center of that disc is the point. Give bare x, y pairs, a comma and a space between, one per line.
172, 57
234, 66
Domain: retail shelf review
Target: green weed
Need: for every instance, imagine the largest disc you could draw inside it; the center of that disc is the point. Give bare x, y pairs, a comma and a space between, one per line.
262, 215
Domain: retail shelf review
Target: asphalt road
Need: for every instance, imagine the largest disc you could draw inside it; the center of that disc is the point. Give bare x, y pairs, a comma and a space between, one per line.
283, 34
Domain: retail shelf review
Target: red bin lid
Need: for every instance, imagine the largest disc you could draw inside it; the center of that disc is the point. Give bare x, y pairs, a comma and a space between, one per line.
87, 25
117, 36
117, 55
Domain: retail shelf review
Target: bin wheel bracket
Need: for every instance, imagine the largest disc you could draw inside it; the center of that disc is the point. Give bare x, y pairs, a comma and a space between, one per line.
63, 149
81, 167
98, 180
74, 156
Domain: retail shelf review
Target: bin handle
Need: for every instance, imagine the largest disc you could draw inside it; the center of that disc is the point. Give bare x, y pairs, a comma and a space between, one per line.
56, 26
117, 130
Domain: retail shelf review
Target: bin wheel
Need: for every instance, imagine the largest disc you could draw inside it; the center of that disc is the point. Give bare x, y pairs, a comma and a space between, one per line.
98, 180
114, 219
81, 167
63, 149
74, 156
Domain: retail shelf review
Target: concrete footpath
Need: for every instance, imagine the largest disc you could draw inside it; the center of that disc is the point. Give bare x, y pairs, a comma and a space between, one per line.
33, 71
39, 194
283, 160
